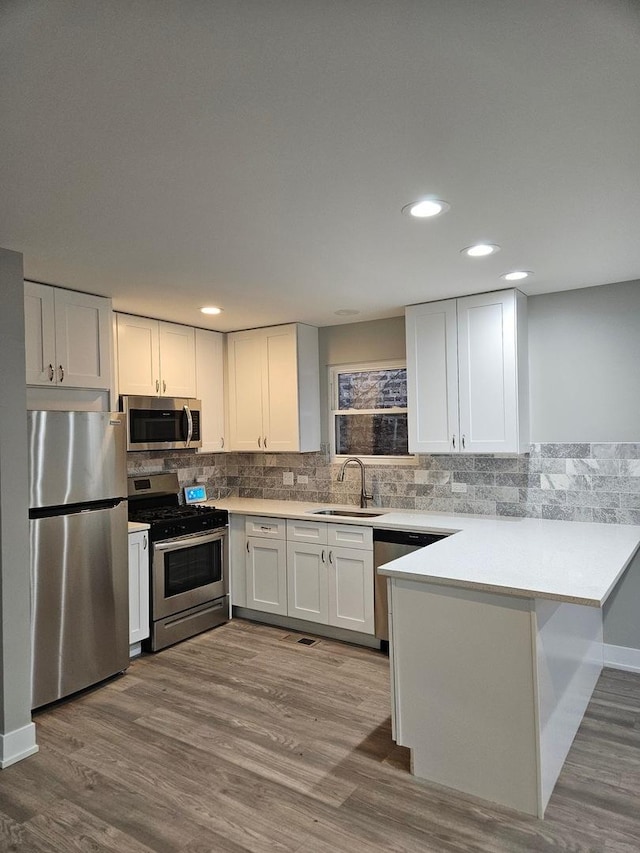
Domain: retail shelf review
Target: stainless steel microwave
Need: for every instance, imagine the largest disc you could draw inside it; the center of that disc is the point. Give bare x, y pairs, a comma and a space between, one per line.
162, 423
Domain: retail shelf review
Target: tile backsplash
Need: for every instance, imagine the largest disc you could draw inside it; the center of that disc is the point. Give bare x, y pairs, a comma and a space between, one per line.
573, 482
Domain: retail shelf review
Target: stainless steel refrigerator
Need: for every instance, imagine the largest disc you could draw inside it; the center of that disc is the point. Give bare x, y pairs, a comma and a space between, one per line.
79, 550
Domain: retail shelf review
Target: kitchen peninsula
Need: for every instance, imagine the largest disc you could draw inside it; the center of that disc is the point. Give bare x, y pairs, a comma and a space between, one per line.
496, 642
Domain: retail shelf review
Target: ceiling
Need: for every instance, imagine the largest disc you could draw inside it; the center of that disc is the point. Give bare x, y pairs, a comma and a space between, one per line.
256, 154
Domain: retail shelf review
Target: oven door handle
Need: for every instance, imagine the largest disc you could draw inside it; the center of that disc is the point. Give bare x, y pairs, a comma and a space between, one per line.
189, 541
187, 412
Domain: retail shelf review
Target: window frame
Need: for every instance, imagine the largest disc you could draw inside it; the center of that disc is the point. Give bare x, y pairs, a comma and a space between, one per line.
356, 367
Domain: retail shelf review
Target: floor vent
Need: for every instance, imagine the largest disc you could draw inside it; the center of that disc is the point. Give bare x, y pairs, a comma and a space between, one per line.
302, 641
307, 641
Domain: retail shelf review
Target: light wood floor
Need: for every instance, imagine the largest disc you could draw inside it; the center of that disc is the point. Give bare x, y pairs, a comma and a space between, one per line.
243, 740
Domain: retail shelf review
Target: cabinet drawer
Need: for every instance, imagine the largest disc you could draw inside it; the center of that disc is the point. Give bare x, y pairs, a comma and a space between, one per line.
350, 536
269, 528
307, 531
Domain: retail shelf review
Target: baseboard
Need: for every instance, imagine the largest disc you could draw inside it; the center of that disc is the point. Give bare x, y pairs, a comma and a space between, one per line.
135, 650
305, 627
621, 657
16, 745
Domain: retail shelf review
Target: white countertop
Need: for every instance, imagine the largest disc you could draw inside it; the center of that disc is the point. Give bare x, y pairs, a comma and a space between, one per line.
572, 561
137, 526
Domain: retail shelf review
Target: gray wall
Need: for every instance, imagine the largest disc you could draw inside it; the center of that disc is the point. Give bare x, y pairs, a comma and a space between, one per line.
15, 655
354, 343
584, 363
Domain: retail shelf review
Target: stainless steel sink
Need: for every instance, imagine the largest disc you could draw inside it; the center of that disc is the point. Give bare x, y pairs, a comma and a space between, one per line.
347, 513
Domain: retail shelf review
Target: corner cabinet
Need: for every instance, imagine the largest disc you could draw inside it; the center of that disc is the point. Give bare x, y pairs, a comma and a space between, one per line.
155, 359
274, 389
67, 337
210, 389
467, 377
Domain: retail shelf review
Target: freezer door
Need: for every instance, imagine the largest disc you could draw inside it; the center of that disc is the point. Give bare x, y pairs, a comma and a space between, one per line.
80, 623
76, 457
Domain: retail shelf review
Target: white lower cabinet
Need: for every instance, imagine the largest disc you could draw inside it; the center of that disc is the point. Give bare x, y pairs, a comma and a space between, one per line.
138, 589
351, 589
266, 565
307, 582
316, 571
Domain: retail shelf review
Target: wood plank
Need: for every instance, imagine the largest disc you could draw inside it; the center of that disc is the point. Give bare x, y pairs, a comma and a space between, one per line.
242, 740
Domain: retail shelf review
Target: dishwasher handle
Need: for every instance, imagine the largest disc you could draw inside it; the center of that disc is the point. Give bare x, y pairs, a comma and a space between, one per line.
411, 538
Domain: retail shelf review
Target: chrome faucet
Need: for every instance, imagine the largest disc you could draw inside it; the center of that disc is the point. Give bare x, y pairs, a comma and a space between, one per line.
364, 497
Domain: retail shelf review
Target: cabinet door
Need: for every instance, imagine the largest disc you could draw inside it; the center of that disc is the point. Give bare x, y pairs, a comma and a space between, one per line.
350, 575
244, 358
432, 377
210, 388
177, 360
138, 587
39, 334
280, 390
266, 564
308, 596
138, 355
83, 339
487, 364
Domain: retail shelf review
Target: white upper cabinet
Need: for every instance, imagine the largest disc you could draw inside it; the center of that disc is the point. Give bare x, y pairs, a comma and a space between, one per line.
467, 374
155, 359
67, 337
210, 388
274, 397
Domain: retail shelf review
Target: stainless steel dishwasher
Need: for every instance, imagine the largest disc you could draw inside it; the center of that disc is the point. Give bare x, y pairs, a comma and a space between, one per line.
389, 545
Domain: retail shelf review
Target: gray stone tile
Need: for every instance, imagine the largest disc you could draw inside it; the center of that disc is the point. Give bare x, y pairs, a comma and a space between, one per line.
522, 481
598, 467
564, 481
630, 467
476, 478
519, 510
594, 499
568, 513
540, 497
476, 507
613, 450
453, 462
566, 451
622, 484
605, 515
628, 516
503, 494
497, 464
431, 476
435, 504
630, 500
547, 466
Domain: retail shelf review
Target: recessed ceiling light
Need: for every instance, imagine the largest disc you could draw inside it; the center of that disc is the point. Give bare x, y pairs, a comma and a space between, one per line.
426, 208
480, 250
346, 312
516, 275
211, 309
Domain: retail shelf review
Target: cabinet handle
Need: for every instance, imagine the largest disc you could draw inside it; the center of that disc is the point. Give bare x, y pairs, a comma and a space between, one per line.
463, 445
51, 373
323, 559
331, 557
248, 546
259, 445
264, 442
144, 543
222, 443
60, 373
164, 387
453, 441
157, 386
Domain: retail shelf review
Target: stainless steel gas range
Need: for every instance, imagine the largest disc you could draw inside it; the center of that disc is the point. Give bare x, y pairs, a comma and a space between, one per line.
189, 563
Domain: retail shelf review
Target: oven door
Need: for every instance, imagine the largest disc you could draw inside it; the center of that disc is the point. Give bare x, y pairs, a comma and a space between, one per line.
188, 571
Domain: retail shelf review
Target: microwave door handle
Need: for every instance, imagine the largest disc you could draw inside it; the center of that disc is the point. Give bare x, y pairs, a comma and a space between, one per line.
187, 412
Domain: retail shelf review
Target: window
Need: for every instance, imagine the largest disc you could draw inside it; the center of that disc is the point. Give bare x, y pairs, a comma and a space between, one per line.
369, 410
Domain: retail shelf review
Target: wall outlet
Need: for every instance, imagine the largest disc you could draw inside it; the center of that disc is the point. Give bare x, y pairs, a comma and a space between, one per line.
459, 487
287, 478
303, 479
